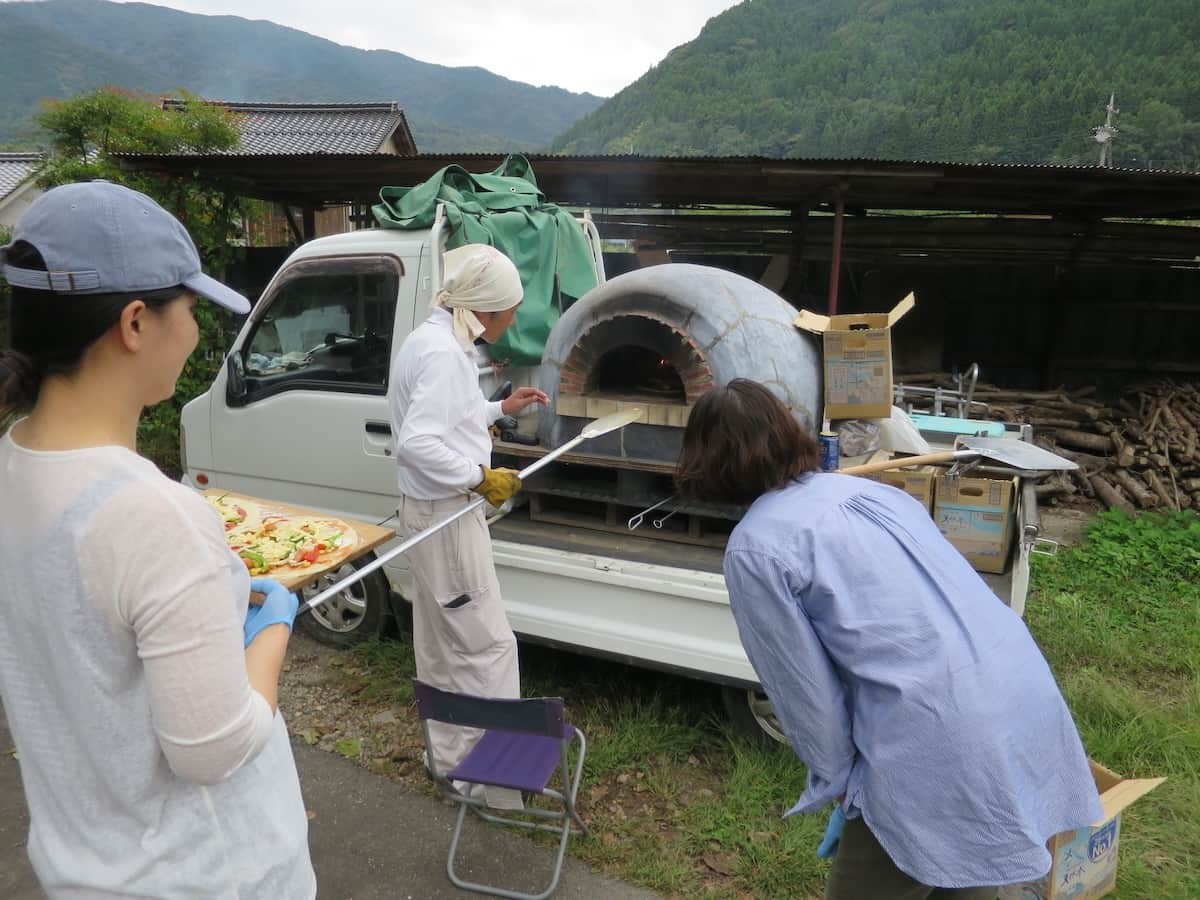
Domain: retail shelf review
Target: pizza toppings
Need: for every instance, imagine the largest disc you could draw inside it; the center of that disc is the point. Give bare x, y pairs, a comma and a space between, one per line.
295, 542
235, 513
270, 542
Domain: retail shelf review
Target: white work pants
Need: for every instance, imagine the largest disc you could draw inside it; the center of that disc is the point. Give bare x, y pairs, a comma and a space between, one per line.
461, 637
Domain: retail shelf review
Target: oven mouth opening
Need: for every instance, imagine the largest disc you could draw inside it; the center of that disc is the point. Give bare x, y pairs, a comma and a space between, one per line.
631, 372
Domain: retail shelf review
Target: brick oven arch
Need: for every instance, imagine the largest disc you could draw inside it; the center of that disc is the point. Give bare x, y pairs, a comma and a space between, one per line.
672, 351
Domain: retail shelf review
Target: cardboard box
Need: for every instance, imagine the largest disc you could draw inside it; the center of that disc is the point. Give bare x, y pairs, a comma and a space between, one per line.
976, 516
917, 482
1085, 860
858, 360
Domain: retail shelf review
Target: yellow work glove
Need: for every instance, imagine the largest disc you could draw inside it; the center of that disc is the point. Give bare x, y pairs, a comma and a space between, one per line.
498, 485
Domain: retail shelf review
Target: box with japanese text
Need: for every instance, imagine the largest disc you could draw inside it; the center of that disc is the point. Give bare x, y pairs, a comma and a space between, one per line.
858, 360
976, 516
1085, 860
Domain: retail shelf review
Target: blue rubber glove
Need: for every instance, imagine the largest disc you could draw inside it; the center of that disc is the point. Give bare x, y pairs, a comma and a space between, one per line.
279, 607
833, 834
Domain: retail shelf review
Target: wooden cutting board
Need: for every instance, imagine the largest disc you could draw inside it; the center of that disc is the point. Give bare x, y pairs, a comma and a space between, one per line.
369, 536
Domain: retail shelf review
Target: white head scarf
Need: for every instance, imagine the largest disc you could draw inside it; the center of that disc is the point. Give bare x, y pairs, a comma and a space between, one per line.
477, 278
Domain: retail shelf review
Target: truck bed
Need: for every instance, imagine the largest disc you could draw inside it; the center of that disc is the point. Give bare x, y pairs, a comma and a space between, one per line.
519, 528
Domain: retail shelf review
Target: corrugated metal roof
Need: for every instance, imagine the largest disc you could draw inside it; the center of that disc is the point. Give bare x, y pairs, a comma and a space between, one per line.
315, 129
619, 181
825, 161
16, 168
815, 160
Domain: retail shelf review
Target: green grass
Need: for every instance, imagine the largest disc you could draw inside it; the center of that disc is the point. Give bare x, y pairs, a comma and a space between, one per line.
680, 804
1119, 619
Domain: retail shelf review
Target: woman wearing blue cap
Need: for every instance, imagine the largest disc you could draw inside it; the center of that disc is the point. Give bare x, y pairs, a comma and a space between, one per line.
140, 693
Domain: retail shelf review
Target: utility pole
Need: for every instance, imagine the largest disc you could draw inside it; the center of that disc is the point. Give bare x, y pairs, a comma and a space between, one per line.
1105, 133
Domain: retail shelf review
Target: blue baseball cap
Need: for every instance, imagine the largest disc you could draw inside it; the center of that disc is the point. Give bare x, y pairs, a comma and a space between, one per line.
97, 237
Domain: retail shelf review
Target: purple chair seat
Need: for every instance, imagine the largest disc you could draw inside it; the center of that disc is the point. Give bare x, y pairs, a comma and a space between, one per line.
523, 762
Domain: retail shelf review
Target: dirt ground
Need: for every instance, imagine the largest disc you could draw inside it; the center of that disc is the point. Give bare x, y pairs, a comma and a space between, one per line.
1065, 524
327, 704
321, 697
330, 702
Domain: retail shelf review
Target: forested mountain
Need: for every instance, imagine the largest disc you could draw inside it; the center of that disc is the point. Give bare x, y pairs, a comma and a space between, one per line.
59, 48
966, 80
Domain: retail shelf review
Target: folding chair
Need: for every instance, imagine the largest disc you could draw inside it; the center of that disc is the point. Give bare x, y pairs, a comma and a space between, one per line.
524, 743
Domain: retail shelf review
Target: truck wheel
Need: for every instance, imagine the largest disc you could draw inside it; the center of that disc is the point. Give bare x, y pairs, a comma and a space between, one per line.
358, 613
751, 714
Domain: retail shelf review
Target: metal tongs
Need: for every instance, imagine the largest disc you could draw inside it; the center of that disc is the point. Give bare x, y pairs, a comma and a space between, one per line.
635, 521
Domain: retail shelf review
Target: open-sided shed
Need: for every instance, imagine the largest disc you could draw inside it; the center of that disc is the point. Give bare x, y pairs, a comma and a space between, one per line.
1040, 273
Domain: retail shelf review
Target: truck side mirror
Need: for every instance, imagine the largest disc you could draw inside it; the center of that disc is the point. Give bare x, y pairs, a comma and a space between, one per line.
235, 382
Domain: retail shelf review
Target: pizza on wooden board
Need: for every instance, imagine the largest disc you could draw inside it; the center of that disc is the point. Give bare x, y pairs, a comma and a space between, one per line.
283, 545
236, 512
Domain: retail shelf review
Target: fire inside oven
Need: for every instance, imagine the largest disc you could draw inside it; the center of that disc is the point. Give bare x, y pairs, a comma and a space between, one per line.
636, 358
635, 372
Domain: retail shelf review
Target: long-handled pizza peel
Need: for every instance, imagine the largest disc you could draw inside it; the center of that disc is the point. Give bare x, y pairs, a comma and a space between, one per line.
1008, 452
593, 429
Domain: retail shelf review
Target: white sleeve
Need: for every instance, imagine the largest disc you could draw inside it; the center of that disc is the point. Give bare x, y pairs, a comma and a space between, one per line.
434, 409
174, 589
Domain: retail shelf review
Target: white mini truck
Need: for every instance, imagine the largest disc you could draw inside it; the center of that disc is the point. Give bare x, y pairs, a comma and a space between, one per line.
299, 414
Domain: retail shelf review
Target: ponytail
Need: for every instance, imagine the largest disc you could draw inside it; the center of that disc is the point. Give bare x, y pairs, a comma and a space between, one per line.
20, 379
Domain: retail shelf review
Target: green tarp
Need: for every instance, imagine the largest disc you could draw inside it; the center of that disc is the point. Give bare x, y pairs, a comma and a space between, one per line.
504, 208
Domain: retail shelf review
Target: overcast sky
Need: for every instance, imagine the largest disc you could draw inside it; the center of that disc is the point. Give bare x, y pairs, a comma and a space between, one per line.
598, 46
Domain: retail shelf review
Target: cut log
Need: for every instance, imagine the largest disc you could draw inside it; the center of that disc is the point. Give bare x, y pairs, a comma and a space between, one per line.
1045, 421
1084, 440
1170, 470
1076, 410
1155, 415
1191, 485
1081, 482
1133, 486
1124, 450
1159, 488
1084, 460
1134, 430
992, 394
1110, 495
1053, 487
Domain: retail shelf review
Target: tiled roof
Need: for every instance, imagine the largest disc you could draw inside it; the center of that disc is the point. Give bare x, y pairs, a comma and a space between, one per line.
274, 129
16, 168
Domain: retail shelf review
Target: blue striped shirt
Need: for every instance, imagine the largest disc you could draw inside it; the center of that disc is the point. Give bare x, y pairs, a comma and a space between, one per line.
904, 684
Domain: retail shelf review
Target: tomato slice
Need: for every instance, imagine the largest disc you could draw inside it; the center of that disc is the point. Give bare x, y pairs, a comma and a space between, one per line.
310, 555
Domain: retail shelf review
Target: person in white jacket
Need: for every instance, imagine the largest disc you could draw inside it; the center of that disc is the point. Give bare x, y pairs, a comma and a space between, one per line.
461, 637
139, 684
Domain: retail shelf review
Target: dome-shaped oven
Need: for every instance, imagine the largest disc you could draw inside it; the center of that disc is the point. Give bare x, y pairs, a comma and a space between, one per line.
660, 337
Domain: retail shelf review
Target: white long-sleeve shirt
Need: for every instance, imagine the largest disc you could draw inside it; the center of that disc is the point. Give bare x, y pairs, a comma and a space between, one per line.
439, 415
151, 767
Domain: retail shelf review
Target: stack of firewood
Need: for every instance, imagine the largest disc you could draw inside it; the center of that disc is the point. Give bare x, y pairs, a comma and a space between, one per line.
1141, 451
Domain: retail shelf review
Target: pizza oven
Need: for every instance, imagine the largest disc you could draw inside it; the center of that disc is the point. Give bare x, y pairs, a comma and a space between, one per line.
659, 338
